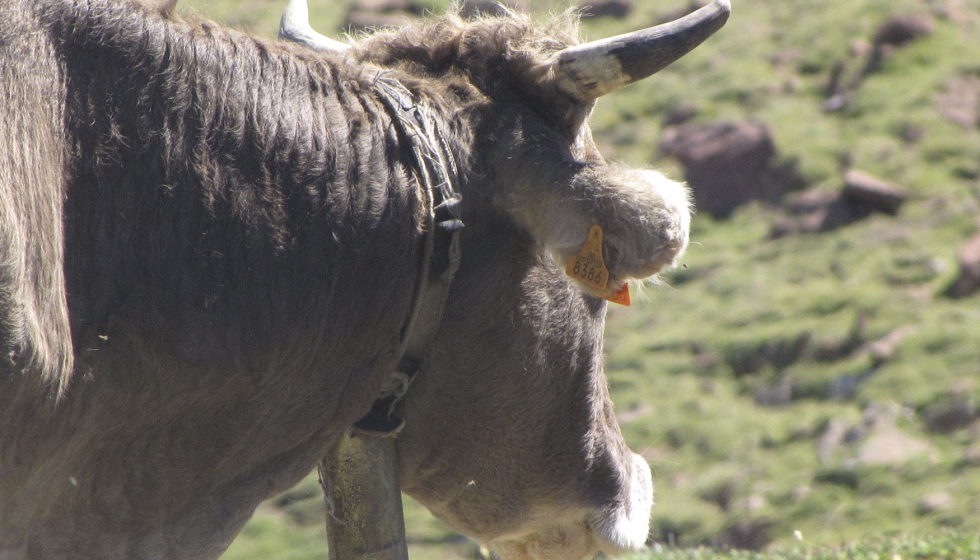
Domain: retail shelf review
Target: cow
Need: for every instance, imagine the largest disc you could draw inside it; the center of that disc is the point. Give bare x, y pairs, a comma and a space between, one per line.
212, 247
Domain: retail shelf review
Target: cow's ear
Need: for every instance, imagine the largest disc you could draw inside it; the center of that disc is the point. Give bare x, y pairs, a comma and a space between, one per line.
643, 217
559, 196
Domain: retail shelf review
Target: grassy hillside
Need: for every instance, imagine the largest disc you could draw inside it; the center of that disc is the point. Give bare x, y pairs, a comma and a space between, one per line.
857, 445
936, 546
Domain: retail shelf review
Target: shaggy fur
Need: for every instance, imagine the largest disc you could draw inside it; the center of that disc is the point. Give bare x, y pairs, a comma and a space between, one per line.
553, 180
208, 250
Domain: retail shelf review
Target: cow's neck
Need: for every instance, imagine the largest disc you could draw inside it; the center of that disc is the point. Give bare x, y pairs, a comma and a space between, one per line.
436, 168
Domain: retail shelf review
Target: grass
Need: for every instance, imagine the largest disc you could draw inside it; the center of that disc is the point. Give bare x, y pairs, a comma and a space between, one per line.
746, 382
942, 545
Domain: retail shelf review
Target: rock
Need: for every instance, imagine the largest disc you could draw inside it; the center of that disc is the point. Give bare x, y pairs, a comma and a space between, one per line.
968, 280
875, 441
800, 492
893, 447
809, 211
898, 31
791, 226
882, 416
845, 387
606, 8
962, 386
974, 431
680, 114
755, 502
956, 11
971, 456
837, 102
911, 133
960, 100
836, 213
720, 494
753, 534
831, 441
894, 33
881, 350
706, 361
931, 503
728, 164
846, 477
948, 414
818, 211
859, 48
862, 189
780, 394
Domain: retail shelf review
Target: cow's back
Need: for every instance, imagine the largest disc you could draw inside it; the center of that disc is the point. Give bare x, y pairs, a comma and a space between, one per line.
186, 320
35, 344
33, 317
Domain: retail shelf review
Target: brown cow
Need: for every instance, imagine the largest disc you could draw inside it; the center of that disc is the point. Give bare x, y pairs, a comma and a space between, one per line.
211, 245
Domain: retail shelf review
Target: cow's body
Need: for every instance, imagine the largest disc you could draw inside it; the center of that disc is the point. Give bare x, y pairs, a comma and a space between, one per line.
232, 300
210, 247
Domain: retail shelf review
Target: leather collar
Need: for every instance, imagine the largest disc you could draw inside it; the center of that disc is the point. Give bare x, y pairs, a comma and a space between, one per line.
436, 170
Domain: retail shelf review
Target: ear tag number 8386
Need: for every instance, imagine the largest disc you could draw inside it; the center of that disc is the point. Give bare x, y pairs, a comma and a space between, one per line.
588, 267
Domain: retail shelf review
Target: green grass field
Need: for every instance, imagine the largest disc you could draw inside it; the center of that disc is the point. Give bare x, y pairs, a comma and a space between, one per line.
854, 455
937, 546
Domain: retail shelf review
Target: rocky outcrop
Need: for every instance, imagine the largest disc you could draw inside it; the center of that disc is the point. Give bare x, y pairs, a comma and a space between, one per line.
728, 164
862, 189
875, 441
898, 31
861, 196
893, 447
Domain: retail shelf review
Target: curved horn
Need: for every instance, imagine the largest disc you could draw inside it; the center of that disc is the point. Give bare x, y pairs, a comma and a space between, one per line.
594, 69
295, 26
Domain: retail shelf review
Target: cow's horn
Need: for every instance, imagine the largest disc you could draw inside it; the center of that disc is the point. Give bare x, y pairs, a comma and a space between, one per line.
594, 69
295, 26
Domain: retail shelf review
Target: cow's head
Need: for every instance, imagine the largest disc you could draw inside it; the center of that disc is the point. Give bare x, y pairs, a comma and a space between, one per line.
510, 434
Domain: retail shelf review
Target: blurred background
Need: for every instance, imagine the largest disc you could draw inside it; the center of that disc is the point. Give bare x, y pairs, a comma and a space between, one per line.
810, 374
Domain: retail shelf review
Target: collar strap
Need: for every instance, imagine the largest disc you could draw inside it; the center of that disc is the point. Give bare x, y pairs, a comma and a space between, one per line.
436, 171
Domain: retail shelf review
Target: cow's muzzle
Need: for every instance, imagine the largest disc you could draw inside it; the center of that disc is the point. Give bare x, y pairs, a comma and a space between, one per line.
621, 526
625, 526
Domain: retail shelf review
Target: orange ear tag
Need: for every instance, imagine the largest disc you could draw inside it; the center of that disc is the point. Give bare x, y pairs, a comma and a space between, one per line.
620, 296
588, 267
